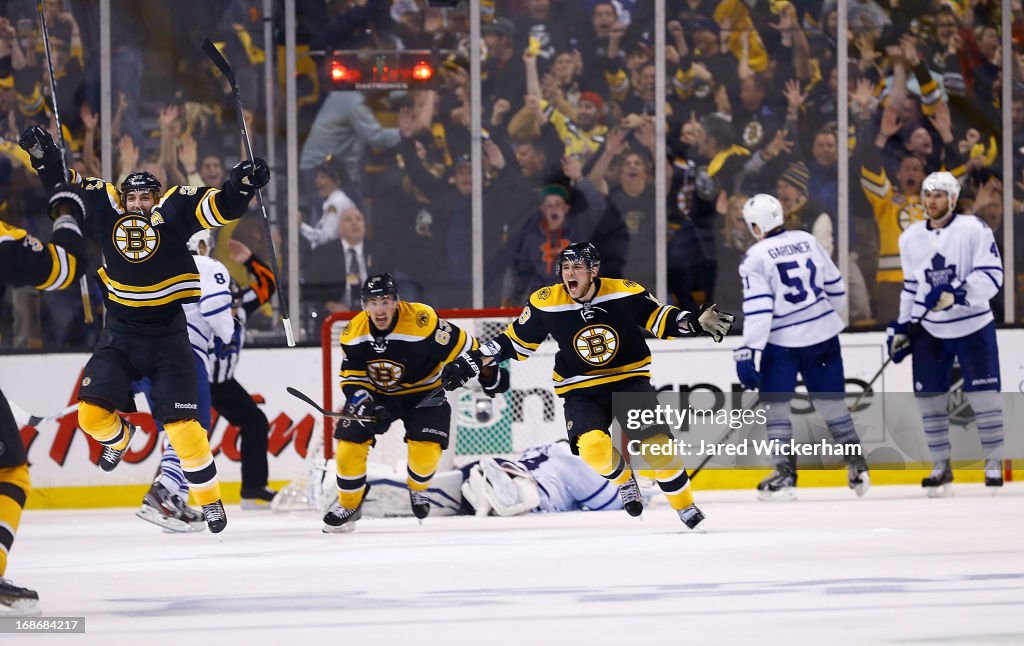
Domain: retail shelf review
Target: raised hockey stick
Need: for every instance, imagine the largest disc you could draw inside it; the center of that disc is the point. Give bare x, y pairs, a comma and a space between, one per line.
294, 392
83, 282
222, 64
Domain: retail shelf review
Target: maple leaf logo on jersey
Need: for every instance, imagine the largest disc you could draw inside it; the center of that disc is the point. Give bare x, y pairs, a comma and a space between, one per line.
940, 273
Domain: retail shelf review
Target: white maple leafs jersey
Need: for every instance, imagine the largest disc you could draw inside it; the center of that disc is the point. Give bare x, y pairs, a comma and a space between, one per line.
792, 292
211, 316
963, 254
565, 482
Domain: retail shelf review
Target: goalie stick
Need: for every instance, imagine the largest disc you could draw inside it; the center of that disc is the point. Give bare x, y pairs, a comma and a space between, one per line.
294, 392
83, 282
222, 64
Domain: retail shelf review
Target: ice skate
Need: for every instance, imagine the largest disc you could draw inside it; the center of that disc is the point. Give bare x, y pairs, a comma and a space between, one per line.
632, 500
339, 520
857, 475
420, 504
993, 475
780, 485
693, 518
16, 599
169, 511
111, 457
940, 483
216, 519
258, 498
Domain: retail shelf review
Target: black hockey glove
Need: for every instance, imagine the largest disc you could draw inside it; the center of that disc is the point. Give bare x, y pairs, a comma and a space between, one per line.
247, 176
458, 373
708, 320
38, 143
66, 200
361, 404
500, 382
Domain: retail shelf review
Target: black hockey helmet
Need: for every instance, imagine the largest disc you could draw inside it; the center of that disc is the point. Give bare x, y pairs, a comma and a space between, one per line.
583, 252
379, 285
140, 180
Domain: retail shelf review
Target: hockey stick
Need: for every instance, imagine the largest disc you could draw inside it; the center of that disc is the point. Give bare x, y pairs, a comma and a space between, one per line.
83, 282
294, 392
33, 420
222, 64
435, 398
867, 388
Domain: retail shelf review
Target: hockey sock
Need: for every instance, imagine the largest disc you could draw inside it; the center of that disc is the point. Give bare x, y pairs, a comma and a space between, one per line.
423, 460
669, 472
14, 488
188, 438
595, 448
838, 419
988, 416
171, 475
350, 458
779, 428
103, 425
936, 425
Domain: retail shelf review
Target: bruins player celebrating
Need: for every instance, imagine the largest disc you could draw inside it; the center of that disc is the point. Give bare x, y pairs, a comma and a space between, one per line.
597, 324
394, 353
149, 273
24, 260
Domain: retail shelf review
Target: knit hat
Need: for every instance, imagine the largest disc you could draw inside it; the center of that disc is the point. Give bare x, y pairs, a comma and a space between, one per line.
555, 189
797, 175
594, 98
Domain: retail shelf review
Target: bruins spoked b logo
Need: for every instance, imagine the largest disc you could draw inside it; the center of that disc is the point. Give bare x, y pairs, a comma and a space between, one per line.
385, 374
134, 238
596, 344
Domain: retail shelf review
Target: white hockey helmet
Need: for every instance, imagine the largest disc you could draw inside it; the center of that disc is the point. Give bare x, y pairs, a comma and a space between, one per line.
205, 236
765, 211
945, 182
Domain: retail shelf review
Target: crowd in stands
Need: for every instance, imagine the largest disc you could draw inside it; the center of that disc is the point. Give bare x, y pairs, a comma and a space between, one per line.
568, 107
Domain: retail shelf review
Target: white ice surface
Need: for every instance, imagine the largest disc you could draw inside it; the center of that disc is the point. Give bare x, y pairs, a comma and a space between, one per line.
894, 567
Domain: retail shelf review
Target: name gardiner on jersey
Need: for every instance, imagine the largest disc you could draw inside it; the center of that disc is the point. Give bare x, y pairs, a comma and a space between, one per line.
789, 250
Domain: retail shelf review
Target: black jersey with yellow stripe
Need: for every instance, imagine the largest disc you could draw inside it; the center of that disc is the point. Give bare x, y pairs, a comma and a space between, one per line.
600, 342
25, 260
147, 269
404, 361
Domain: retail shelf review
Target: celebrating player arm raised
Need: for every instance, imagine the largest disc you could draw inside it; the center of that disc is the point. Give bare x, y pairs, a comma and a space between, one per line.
792, 293
25, 260
149, 274
951, 270
394, 353
598, 323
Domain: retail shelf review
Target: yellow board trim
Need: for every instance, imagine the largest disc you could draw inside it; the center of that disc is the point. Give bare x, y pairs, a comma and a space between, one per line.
99, 497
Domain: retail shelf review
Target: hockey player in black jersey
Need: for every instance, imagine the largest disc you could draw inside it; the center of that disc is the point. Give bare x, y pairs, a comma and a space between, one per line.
24, 260
394, 353
598, 323
149, 273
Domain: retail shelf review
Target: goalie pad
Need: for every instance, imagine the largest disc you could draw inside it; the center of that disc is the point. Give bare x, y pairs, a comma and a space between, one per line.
504, 489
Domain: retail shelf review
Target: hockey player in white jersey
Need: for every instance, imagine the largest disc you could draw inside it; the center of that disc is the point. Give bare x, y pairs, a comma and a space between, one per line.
792, 292
951, 269
164, 503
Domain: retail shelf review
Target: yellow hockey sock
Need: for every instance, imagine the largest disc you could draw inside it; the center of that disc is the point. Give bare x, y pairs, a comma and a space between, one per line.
103, 425
350, 459
668, 471
14, 489
595, 448
423, 460
189, 440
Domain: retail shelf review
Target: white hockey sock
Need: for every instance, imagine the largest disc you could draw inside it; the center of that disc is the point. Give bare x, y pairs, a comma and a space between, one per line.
779, 427
172, 477
988, 416
838, 419
936, 425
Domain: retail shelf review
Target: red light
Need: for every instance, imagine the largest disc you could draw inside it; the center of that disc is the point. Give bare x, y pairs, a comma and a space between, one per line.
422, 71
339, 72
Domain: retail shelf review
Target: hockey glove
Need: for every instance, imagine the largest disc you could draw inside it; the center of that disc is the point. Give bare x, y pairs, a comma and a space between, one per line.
898, 341
247, 176
66, 200
494, 380
361, 404
707, 320
457, 374
747, 372
943, 297
38, 143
